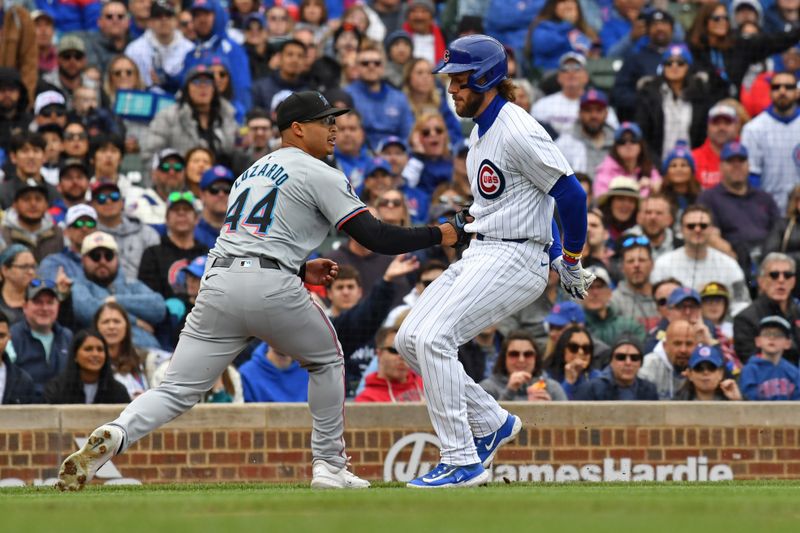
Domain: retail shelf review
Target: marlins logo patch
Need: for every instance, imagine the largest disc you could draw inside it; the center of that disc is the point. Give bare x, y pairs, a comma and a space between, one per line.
491, 181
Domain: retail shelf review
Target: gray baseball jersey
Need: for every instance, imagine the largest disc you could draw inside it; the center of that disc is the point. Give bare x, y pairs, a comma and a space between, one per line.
283, 207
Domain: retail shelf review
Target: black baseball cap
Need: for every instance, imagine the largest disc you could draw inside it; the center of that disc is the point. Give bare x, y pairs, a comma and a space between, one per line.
305, 106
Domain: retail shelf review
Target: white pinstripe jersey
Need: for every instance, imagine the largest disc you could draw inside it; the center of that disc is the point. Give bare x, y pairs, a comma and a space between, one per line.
511, 168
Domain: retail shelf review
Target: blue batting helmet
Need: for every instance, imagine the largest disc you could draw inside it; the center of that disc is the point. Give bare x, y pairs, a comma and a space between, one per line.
481, 54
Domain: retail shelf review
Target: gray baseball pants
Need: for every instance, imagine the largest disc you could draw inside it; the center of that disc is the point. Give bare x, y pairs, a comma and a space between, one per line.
235, 304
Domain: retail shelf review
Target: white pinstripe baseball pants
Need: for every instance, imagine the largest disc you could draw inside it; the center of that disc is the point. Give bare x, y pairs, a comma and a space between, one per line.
493, 280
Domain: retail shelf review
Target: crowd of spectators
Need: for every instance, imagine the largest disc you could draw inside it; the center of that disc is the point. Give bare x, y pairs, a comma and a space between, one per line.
123, 125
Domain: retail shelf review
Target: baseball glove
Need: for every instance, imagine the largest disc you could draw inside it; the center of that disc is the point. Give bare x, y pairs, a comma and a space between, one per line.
458, 221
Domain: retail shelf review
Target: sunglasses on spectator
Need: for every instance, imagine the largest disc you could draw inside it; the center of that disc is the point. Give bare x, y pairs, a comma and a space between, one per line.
218, 189
779, 86
428, 131
515, 354
775, 274
80, 224
102, 198
222, 74
626, 140
178, 196
661, 302
202, 81
278, 18
166, 167
75, 136
719, 18
330, 120
390, 349
702, 226
39, 282
122, 72
635, 241
574, 347
675, 63
389, 202
115, 16
621, 356
184, 23
370, 63
446, 200
27, 267
101, 253
704, 367
570, 67
72, 55
53, 111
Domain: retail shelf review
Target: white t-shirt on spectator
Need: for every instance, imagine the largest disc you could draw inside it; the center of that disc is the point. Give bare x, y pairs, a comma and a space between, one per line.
695, 273
562, 113
90, 391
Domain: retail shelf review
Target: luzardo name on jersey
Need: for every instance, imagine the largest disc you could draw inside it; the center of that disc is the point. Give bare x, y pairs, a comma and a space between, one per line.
273, 171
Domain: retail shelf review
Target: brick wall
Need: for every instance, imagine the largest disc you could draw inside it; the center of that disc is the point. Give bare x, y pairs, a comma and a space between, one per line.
271, 442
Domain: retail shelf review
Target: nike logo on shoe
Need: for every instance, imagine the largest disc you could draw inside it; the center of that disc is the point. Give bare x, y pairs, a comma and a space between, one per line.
431, 478
489, 445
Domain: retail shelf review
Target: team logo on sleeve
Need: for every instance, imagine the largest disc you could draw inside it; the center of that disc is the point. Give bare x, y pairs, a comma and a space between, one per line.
491, 181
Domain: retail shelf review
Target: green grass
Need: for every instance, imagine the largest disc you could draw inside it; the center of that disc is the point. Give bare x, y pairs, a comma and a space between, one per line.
387, 508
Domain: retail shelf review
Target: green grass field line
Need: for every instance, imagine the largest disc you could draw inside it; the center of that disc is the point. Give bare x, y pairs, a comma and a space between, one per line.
388, 508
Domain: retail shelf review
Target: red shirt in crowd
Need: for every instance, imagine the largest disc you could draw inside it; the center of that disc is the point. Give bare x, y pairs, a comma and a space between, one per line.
706, 164
378, 389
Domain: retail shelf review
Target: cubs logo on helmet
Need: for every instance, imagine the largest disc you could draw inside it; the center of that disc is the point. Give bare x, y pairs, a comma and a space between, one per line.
491, 181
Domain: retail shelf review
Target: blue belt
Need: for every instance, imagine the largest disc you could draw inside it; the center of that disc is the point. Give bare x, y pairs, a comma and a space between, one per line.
482, 237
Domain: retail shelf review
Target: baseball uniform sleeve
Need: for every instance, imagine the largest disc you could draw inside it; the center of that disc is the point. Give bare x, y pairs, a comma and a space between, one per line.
333, 195
755, 155
533, 154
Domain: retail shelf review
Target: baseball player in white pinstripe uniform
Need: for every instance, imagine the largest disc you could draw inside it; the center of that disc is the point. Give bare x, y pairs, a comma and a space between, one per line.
517, 176
279, 211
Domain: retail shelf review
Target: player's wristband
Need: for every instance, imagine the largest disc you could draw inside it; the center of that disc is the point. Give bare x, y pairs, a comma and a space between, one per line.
302, 272
571, 257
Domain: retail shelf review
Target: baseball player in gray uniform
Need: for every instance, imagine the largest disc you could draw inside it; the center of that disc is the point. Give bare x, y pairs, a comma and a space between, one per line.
517, 176
280, 209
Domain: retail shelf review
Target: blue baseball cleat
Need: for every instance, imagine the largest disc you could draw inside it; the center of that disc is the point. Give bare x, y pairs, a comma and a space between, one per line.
487, 446
451, 476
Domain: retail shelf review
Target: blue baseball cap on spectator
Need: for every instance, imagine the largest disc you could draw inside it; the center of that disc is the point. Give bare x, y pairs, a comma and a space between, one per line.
565, 313
258, 17
681, 294
677, 50
392, 140
775, 321
706, 354
215, 174
733, 149
196, 267
204, 5
376, 164
593, 96
681, 151
628, 127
